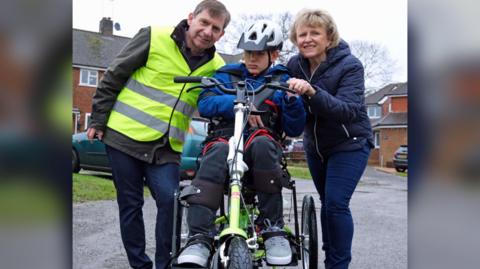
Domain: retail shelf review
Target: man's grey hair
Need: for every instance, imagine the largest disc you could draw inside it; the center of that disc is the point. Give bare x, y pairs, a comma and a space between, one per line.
215, 9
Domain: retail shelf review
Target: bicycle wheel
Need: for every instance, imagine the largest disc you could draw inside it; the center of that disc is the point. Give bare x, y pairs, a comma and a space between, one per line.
215, 262
180, 232
309, 233
239, 254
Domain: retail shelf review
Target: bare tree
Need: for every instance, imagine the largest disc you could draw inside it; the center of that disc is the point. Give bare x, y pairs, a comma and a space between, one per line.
379, 67
228, 44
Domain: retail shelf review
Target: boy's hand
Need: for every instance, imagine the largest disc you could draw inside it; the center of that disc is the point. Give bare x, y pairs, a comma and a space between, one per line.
255, 120
289, 94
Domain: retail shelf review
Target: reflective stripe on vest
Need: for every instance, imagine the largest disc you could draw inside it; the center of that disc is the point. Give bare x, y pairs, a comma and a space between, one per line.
148, 120
160, 96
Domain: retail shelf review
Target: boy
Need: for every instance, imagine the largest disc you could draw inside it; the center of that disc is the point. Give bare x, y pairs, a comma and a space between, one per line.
262, 43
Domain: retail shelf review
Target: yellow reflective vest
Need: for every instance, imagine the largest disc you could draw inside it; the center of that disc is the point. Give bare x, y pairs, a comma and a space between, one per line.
151, 105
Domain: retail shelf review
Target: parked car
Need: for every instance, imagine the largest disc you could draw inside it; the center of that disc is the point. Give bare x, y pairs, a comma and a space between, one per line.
292, 145
287, 145
91, 155
400, 158
297, 145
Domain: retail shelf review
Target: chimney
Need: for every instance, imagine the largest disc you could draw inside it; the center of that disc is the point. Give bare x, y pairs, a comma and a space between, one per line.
106, 26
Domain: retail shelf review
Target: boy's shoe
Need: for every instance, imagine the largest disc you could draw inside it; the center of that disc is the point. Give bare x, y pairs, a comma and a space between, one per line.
277, 247
197, 253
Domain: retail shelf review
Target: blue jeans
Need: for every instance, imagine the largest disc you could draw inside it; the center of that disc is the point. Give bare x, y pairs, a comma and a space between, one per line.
335, 180
129, 176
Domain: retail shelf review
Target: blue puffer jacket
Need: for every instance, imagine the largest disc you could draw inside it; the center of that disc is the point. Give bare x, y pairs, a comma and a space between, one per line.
337, 118
213, 102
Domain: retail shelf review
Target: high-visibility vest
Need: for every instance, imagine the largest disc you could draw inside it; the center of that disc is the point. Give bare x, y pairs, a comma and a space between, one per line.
151, 105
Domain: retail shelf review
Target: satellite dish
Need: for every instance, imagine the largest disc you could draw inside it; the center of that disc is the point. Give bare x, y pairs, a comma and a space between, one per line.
117, 26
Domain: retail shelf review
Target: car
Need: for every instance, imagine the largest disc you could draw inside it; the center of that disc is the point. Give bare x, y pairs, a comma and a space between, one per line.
297, 145
400, 158
287, 145
91, 155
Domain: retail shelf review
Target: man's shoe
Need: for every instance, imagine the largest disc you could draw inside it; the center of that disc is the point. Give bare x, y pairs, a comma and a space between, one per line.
277, 247
197, 253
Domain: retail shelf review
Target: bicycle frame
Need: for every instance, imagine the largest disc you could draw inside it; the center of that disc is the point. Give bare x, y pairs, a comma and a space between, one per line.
236, 165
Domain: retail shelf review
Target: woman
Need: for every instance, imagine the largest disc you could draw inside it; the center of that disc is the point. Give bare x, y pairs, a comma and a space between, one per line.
338, 136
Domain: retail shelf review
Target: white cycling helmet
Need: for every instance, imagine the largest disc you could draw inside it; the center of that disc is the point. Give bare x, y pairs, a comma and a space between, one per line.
261, 35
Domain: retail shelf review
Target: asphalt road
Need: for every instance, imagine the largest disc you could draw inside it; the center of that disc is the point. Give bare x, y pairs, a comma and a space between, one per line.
379, 209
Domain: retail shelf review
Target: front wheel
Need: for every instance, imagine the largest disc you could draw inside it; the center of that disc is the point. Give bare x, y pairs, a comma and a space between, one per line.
239, 254
309, 234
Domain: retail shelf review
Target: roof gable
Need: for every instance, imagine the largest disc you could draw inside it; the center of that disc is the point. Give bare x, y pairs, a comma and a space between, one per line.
230, 59
94, 49
390, 89
391, 119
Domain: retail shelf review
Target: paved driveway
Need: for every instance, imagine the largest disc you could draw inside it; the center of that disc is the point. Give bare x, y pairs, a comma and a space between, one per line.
379, 208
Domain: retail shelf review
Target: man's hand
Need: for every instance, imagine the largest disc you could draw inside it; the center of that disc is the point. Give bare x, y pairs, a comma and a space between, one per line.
91, 132
255, 120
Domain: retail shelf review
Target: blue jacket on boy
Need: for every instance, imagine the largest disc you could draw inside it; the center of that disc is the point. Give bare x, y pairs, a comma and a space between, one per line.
212, 102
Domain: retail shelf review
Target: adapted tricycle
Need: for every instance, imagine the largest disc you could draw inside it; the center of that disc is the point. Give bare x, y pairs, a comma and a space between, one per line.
237, 244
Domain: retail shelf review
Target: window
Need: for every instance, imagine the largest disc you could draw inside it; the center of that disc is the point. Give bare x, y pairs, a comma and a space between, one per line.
376, 141
374, 111
87, 120
88, 77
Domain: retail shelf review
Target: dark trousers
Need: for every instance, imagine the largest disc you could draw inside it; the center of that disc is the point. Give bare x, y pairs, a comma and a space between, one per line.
129, 176
335, 180
262, 155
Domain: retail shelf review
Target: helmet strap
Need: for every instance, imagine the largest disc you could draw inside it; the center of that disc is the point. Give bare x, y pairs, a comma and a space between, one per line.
269, 60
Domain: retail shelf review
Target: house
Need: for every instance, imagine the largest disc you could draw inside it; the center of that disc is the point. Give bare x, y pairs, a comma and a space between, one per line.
92, 54
388, 112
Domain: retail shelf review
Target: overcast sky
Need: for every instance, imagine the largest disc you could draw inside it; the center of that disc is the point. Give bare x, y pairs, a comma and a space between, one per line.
383, 22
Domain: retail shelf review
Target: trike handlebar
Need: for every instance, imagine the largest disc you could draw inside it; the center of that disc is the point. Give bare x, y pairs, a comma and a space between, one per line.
209, 82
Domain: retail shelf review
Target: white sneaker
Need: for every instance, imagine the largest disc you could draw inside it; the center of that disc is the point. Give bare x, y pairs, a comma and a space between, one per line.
197, 254
277, 248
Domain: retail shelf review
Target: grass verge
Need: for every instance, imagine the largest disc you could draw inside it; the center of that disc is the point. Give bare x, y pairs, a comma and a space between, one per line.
299, 172
93, 188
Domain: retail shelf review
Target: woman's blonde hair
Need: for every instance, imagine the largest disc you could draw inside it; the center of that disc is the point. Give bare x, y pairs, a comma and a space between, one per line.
316, 18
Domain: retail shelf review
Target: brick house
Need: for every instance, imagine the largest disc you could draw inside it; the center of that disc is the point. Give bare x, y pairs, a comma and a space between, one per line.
92, 53
388, 112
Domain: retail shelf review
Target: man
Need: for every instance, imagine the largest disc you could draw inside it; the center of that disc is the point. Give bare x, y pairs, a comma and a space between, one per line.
142, 117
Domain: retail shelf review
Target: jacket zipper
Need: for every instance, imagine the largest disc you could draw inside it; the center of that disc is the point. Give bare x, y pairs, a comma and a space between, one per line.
315, 116
346, 131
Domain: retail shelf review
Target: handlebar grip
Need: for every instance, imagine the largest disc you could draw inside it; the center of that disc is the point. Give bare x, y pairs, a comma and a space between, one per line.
284, 84
192, 79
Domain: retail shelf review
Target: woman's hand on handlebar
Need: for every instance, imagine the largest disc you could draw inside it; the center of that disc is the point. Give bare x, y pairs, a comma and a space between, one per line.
302, 87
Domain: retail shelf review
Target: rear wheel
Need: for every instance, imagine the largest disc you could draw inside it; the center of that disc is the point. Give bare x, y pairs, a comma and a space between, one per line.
75, 162
181, 226
309, 233
399, 169
239, 254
